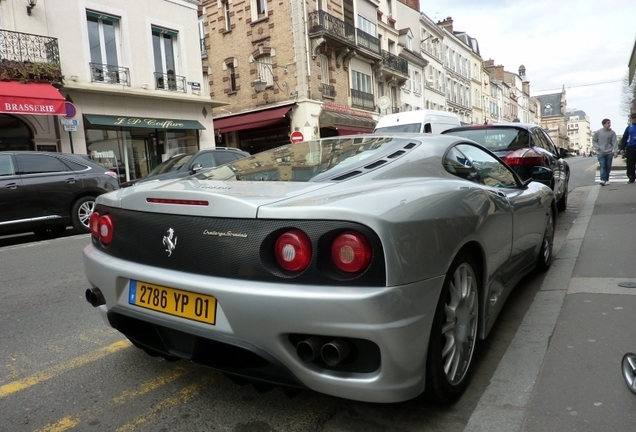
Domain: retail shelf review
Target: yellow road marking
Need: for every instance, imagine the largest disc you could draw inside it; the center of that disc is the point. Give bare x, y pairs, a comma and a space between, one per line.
47, 374
62, 425
163, 379
592, 168
184, 395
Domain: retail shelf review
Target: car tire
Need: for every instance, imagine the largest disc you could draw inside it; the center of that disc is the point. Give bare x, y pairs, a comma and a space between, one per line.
562, 204
453, 338
81, 212
628, 366
545, 258
49, 231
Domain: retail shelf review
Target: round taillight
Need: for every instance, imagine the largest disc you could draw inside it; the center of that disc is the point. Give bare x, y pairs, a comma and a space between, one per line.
93, 224
351, 252
105, 228
293, 250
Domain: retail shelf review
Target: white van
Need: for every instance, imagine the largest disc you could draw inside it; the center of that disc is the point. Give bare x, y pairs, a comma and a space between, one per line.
421, 121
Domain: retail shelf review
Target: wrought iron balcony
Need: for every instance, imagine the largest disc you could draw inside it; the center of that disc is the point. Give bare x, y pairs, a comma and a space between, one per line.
170, 82
109, 74
25, 47
360, 99
320, 22
328, 90
368, 42
395, 63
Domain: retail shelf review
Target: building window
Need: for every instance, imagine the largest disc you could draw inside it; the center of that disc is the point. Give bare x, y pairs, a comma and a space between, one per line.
417, 82
103, 39
361, 82
366, 26
163, 45
204, 52
324, 69
259, 8
231, 74
226, 14
264, 69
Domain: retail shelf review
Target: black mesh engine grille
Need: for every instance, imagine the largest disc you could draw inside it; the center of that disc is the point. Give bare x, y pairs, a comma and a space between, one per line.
245, 250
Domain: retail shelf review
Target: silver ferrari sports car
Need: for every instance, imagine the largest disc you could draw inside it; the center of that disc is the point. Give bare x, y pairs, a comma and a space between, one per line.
366, 267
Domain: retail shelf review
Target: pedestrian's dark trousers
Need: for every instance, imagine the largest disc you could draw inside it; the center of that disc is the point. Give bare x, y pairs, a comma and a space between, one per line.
630, 154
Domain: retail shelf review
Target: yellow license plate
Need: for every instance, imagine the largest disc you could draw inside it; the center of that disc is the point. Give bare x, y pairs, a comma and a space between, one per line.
184, 304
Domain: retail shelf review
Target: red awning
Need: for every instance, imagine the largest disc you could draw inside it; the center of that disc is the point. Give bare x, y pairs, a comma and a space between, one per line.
349, 130
30, 98
252, 120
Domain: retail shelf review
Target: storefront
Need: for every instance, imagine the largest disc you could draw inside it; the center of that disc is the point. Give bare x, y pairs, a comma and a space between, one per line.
27, 116
255, 131
337, 119
132, 146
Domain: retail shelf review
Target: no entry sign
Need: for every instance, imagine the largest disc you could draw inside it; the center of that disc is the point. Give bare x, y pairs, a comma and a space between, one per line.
296, 137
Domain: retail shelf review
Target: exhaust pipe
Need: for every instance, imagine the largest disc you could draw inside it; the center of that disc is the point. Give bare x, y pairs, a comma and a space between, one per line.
308, 350
95, 297
335, 351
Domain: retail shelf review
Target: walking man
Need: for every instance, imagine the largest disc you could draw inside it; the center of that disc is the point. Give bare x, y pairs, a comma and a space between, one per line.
628, 148
604, 142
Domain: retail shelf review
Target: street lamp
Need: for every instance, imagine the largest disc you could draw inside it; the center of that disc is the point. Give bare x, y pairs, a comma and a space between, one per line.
260, 84
435, 40
30, 5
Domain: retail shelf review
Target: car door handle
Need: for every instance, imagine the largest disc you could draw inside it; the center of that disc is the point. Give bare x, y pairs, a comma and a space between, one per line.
12, 186
71, 180
497, 192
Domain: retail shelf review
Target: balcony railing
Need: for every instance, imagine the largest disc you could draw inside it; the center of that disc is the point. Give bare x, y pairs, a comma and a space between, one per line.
360, 99
322, 22
25, 47
365, 40
328, 90
170, 82
109, 74
393, 62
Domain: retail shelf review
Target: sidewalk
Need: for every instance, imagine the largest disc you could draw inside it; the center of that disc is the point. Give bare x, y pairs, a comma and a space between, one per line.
562, 371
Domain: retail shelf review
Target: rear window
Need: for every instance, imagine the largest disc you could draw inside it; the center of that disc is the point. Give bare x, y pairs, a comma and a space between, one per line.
406, 128
496, 139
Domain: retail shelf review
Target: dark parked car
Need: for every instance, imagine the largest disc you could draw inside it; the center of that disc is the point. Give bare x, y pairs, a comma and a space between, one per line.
183, 165
524, 147
46, 192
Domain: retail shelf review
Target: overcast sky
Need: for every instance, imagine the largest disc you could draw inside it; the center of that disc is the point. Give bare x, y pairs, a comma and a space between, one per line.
583, 45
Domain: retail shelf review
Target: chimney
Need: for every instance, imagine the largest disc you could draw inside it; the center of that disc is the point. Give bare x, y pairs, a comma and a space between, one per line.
499, 73
447, 24
489, 63
413, 4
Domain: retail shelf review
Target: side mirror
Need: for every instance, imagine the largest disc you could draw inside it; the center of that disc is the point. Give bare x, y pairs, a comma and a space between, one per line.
563, 153
542, 174
196, 168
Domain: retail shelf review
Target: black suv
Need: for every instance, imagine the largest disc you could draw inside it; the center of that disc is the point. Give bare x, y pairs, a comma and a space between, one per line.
46, 192
183, 165
527, 149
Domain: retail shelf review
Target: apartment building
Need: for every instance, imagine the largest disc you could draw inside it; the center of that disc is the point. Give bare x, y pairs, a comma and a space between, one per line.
579, 131
431, 43
456, 56
553, 108
307, 67
129, 79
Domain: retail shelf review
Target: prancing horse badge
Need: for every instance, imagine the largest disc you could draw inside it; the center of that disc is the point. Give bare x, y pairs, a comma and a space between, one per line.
170, 241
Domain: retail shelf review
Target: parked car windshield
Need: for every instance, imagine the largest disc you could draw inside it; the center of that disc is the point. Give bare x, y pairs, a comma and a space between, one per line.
307, 161
495, 139
172, 164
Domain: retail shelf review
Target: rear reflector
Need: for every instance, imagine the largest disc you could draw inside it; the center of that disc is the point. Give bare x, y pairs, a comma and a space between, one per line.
177, 201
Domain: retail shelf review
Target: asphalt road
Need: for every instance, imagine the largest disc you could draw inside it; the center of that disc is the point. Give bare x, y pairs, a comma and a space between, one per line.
62, 369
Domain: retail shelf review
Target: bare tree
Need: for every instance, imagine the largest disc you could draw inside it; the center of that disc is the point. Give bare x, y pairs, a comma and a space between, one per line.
628, 96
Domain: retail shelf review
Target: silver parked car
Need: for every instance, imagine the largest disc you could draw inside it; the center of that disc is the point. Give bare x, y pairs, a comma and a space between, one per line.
366, 267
